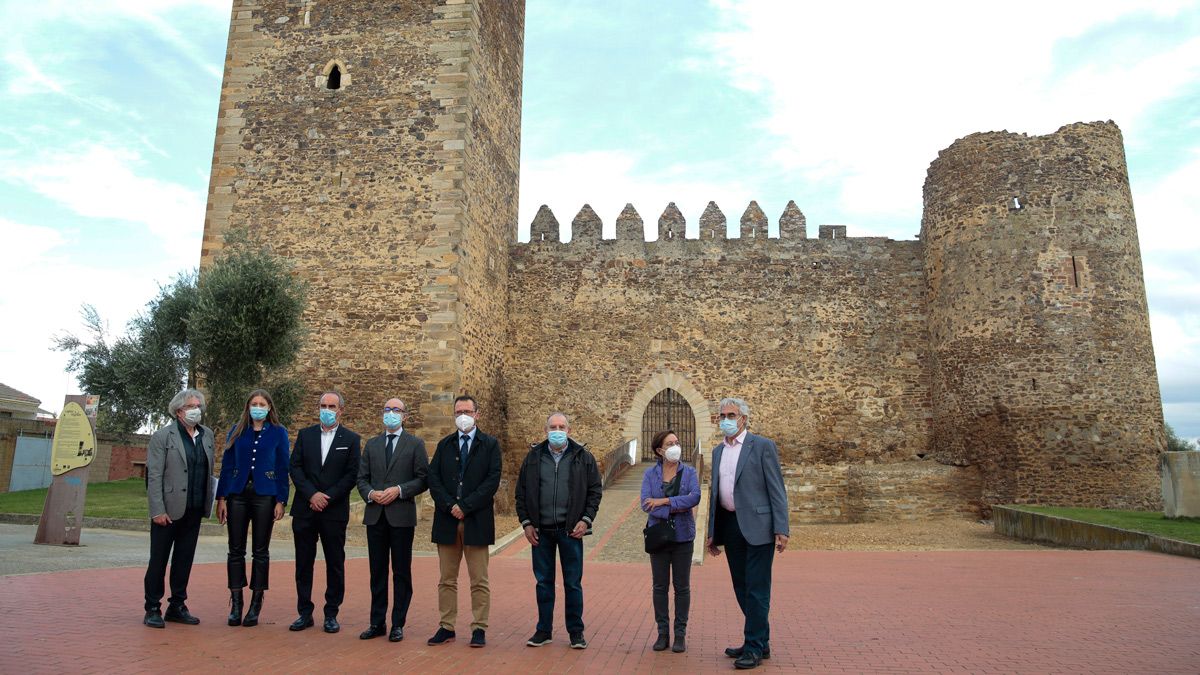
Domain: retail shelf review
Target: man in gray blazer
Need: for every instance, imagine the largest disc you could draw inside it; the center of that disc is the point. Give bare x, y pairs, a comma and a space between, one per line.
179, 464
392, 471
748, 515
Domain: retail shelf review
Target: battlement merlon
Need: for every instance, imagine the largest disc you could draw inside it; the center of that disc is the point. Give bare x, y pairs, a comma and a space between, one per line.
672, 225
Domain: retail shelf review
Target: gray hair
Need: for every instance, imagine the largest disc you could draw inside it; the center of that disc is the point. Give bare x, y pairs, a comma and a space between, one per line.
742, 406
341, 399
557, 414
181, 400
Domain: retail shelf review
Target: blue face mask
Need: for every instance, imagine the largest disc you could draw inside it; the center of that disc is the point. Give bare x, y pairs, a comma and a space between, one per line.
258, 414
392, 420
729, 427
328, 417
557, 438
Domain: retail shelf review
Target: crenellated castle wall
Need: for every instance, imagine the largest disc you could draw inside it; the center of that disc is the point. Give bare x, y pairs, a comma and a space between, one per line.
1003, 356
825, 337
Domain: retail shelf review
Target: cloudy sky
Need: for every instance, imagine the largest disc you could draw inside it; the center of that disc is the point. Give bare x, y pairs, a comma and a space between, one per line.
109, 107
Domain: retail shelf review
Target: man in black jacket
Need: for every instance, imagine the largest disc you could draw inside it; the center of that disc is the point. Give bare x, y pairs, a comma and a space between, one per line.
324, 468
463, 478
558, 493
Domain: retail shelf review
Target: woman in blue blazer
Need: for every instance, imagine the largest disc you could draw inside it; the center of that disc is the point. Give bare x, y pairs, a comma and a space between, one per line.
670, 490
253, 489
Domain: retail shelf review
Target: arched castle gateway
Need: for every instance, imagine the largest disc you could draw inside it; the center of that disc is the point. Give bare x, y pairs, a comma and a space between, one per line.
1004, 356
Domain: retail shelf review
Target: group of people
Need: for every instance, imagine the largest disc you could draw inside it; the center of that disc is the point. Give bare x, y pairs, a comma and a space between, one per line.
558, 493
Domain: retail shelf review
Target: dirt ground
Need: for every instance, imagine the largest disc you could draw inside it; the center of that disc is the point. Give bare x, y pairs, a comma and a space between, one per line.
937, 535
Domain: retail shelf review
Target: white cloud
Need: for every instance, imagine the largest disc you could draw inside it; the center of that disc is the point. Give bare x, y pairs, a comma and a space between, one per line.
98, 181
44, 288
876, 102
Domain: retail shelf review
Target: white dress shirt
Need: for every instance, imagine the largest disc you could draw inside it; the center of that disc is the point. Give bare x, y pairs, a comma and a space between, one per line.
728, 470
326, 443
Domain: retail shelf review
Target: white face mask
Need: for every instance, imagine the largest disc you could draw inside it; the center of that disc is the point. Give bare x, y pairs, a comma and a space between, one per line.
465, 423
673, 453
193, 416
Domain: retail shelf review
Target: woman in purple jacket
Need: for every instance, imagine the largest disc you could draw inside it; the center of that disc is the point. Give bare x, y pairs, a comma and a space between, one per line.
670, 490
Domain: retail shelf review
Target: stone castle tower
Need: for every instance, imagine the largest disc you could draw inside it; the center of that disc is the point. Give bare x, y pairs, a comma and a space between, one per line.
1005, 356
378, 149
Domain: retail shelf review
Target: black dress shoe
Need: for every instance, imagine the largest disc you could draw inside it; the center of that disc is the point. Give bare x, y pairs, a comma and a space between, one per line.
331, 625
154, 619
734, 652
372, 632
441, 637
747, 661
302, 622
396, 635
662, 642
180, 614
477, 638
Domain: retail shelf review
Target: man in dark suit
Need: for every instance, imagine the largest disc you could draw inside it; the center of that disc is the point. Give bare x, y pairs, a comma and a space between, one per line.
324, 468
391, 473
748, 514
463, 478
179, 465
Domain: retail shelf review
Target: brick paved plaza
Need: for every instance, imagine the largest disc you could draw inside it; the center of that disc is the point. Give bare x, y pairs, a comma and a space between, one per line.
834, 611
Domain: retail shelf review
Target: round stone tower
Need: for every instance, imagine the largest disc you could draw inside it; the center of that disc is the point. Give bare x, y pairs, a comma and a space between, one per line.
1042, 369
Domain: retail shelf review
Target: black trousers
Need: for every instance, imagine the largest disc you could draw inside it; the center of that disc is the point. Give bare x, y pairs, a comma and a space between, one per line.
750, 570
332, 535
384, 541
175, 542
248, 507
672, 565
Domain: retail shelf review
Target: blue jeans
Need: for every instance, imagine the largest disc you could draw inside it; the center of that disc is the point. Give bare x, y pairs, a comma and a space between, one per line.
570, 553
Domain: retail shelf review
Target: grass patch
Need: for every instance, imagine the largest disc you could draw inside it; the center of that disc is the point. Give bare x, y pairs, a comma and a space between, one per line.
115, 499
1149, 522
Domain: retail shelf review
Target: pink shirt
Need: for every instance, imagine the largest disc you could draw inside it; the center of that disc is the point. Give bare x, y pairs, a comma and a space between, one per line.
728, 470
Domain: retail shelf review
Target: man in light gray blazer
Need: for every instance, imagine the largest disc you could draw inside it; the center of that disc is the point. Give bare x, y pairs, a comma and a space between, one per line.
748, 515
179, 465
392, 471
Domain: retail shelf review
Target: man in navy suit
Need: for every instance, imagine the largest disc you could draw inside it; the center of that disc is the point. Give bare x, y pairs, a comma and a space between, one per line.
748, 515
324, 468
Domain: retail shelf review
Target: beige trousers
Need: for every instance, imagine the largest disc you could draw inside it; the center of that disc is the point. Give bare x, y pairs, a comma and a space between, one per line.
449, 558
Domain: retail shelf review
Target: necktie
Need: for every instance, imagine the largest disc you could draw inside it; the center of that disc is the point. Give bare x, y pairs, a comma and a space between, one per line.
462, 457
391, 445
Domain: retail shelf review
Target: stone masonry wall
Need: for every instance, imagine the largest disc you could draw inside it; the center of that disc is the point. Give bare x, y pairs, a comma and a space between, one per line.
367, 188
493, 147
1042, 366
855, 493
825, 338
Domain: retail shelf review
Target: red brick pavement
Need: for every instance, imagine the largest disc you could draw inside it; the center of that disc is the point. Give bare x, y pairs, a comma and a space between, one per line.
859, 612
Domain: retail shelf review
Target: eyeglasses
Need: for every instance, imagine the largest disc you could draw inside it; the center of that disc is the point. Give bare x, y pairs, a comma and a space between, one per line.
463, 412
729, 416
396, 410
190, 406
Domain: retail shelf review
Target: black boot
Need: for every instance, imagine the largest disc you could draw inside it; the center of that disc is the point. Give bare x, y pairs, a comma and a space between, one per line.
680, 644
256, 599
662, 642
235, 607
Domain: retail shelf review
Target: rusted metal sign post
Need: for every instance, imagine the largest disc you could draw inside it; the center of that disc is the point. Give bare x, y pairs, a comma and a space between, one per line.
71, 455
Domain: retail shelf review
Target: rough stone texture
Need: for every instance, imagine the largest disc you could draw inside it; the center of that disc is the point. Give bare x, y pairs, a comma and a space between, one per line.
395, 195
1042, 370
825, 338
1181, 484
1010, 346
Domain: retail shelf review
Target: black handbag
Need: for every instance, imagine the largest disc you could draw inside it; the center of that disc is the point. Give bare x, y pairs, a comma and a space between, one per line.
659, 536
